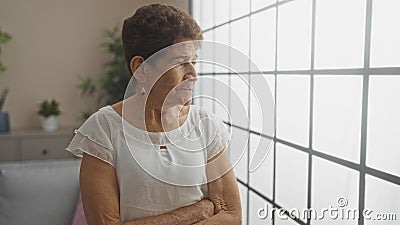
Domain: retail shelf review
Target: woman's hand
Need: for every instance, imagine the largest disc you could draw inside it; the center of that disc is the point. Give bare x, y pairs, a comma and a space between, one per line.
207, 208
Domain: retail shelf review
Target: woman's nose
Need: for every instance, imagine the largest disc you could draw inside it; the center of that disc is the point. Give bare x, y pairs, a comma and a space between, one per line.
190, 71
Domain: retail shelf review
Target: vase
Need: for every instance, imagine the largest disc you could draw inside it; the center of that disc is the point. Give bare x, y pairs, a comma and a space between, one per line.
50, 123
4, 122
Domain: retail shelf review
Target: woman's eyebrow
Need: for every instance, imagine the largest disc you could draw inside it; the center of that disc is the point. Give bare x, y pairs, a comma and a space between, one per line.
180, 57
185, 57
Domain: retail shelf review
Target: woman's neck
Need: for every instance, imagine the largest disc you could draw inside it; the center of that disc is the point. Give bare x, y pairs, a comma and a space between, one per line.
154, 118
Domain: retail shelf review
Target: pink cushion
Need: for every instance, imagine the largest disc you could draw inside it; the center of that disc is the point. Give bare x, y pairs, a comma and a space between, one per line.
79, 217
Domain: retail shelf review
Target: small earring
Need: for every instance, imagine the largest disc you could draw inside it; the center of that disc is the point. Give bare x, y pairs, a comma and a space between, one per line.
143, 90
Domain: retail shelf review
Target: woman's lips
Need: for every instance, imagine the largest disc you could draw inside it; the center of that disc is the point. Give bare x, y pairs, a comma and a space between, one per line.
187, 89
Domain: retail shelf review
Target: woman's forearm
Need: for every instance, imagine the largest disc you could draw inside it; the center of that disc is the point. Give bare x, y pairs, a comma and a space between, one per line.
222, 217
191, 214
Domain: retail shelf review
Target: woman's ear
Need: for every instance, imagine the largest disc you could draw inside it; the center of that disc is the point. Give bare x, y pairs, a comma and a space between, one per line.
137, 69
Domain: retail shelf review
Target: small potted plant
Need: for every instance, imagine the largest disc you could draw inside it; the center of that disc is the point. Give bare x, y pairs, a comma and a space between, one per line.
49, 110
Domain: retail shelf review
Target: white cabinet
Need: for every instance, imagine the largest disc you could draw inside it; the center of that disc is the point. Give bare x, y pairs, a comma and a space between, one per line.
34, 145
8, 149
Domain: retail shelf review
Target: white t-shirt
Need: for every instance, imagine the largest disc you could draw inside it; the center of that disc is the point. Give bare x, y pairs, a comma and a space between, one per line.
151, 180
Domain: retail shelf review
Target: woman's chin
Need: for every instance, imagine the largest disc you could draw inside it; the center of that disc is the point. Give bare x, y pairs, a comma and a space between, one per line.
181, 100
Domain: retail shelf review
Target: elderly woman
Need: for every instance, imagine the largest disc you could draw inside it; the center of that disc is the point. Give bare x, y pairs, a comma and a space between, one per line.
154, 158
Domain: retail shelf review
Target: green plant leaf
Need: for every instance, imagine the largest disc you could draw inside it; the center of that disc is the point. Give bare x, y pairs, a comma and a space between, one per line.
86, 85
83, 115
2, 67
49, 107
4, 37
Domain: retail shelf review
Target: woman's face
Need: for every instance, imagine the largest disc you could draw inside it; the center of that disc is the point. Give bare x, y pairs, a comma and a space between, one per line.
175, 86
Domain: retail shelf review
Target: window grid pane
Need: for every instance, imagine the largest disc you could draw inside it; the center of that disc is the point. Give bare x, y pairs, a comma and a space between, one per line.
384, 109
339, 35
294, 35
385, 45
337, 116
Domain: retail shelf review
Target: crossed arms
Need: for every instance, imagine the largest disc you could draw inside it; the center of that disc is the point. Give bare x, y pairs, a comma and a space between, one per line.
101, 201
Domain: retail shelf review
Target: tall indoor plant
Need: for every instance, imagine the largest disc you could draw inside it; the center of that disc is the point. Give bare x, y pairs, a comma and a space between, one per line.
4, 117
110, 87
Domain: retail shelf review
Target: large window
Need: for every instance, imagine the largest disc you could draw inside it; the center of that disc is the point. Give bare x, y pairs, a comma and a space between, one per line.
333, 67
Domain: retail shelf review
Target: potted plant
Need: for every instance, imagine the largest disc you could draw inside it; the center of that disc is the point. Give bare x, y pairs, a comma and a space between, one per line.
49, 110
4, 117
110, 86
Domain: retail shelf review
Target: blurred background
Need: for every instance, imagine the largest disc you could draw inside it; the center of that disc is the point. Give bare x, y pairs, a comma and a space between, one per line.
53, 44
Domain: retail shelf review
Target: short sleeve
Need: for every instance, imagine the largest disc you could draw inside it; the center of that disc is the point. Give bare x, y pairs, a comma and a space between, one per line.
94, 138
219, 138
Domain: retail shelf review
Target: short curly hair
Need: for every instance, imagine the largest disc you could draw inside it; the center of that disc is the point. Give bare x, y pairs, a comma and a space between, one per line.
154, 27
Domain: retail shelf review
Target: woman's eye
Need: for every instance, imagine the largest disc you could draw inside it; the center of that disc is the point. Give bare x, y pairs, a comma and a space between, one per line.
180, 64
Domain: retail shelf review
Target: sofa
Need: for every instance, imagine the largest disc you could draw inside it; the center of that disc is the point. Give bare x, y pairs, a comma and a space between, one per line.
42, 192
